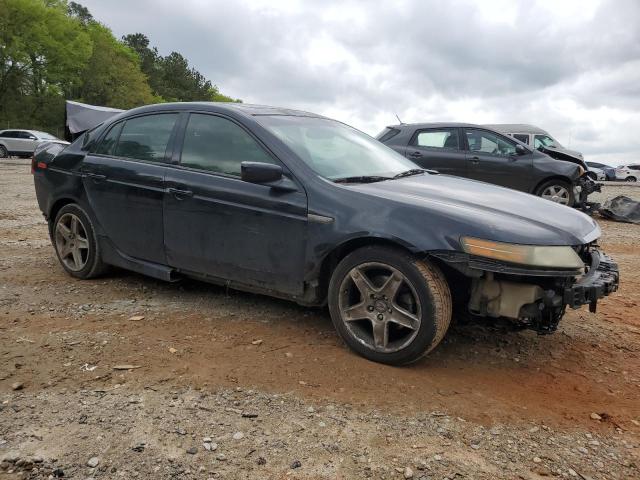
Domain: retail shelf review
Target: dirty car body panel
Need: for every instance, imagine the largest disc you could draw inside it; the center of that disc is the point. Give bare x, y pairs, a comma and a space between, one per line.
167, 217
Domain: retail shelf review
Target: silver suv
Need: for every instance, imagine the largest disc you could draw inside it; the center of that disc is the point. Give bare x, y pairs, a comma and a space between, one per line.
22, 143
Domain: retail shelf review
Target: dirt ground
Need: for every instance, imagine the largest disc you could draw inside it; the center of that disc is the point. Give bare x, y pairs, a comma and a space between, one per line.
232, 385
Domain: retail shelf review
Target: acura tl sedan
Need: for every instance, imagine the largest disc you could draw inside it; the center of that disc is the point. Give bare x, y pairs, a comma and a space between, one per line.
302, 207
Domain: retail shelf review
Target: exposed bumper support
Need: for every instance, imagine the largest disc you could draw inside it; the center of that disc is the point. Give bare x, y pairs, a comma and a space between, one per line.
601, 280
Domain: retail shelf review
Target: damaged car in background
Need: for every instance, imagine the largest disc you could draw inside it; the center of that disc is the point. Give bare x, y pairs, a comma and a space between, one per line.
481, 153
299, 206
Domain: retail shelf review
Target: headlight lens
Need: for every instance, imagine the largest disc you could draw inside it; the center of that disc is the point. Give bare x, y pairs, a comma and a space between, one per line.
531, 255
582, 170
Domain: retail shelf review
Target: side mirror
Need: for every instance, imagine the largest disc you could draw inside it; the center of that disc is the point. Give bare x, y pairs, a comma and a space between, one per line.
258, 172
520, 150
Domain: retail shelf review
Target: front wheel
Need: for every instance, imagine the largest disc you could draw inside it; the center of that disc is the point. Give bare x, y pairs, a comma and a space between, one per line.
557, 191
389, 306
3, 152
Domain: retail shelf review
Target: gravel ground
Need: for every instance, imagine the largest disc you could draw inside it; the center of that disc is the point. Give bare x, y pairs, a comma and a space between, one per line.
128, 377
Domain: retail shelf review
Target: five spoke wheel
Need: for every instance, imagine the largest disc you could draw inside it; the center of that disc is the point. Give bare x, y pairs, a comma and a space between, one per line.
71, 242
380, 307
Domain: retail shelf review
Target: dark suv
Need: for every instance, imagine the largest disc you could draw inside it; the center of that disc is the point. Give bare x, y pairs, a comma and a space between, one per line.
298, 206
477, 152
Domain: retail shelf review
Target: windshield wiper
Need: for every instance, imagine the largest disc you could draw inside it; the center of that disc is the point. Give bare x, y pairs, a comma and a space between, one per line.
415, 171
362, 179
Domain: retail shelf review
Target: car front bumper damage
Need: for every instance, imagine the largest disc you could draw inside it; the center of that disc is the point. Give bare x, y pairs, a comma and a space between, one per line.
533, 298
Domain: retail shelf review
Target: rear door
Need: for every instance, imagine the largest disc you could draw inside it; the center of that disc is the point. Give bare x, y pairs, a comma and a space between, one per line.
493, 158
218, 225
438, 149
124, 181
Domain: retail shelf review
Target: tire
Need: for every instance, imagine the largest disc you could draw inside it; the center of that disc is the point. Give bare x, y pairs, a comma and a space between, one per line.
631, 179
3, 152
74, 240
416, 303
563, 189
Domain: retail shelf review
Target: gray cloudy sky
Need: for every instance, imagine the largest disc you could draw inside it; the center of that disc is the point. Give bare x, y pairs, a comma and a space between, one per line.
569, 66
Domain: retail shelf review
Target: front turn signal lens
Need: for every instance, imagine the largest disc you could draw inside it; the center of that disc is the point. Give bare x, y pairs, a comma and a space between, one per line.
531, 255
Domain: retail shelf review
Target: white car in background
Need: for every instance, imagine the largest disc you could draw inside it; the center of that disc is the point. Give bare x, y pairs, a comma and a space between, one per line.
628, 173
22, 143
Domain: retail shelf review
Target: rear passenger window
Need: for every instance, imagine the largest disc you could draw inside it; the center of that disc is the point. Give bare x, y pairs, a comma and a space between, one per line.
146, 138
219, 145
523, 138
443, 138
108, 143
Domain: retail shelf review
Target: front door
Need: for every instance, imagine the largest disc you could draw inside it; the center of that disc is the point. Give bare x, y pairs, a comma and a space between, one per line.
493, 158
218, 225
438, 149
124, 181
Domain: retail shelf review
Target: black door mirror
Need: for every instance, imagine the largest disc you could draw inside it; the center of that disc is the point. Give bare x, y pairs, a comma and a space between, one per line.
262, 173
520, 150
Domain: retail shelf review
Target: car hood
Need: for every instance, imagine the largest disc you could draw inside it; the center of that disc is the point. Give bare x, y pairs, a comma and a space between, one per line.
473, 208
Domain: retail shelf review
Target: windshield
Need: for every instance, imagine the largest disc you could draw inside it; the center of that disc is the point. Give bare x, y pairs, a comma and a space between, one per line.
546, 141
334, 150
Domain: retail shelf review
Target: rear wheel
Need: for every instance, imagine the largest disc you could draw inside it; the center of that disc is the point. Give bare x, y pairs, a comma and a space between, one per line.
3, 152
389, 306
631, 179
75, 242
557, 191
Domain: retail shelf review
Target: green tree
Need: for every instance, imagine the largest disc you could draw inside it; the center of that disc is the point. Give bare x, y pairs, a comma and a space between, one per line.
42, 53
112, 76
171, 77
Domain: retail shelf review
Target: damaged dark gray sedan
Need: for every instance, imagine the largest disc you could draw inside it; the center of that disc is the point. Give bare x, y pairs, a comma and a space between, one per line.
298, 206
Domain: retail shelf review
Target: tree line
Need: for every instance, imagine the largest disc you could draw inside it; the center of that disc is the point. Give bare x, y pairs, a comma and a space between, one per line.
54, 50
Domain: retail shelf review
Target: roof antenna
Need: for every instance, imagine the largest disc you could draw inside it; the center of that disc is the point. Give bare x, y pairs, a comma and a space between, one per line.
398, 118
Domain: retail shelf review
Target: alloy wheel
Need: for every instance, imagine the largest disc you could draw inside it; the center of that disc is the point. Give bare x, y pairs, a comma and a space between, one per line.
379, 307
556, 193
72, 242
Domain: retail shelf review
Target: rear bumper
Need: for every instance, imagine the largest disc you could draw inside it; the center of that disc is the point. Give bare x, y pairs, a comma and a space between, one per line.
601, 280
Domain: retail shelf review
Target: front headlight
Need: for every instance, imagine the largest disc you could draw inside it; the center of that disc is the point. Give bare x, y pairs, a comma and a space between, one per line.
531, 255
581, 170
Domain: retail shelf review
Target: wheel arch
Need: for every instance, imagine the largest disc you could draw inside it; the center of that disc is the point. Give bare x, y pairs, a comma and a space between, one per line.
57, 206
339, 252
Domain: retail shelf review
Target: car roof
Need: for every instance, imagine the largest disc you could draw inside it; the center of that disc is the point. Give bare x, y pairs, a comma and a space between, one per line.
516, 128
242, 108
438, 125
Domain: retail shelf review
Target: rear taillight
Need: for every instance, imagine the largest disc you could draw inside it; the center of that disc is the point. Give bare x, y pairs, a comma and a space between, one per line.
37, 165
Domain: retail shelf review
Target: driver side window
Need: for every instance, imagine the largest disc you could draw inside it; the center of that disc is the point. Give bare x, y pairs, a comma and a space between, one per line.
487, 142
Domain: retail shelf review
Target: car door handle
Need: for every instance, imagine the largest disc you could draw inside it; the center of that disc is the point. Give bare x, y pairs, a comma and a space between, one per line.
96, 177
415, 154
180, 194
475, 160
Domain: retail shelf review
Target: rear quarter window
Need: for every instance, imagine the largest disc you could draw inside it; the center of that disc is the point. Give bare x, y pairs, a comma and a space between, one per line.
387, 134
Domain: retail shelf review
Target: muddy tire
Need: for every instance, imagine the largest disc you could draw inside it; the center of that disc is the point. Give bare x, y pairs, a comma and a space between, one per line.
75, 242
388, 306
557, 191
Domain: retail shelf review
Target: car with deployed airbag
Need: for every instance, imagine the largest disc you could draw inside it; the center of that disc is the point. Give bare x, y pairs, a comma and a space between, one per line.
299, 206
481, 153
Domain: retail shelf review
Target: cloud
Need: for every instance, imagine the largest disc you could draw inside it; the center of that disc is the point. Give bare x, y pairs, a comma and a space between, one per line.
571, 67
